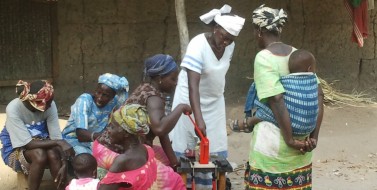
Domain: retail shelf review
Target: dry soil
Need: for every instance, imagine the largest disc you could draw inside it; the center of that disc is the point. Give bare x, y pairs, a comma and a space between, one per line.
345, 158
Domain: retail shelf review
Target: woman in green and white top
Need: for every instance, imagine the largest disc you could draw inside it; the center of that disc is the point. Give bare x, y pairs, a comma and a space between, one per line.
277, 159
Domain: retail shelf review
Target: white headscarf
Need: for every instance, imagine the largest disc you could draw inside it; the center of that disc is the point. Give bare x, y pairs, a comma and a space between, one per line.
231, 23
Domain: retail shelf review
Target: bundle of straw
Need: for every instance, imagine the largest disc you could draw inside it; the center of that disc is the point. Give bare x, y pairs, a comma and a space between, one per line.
334, 97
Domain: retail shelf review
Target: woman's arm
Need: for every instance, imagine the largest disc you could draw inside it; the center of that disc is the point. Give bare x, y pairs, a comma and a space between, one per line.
281, 115
194, 96
161, 124
84, 135
321, 95
52, 120
166, 146
114, 186
80, 114
62, 173
119, 165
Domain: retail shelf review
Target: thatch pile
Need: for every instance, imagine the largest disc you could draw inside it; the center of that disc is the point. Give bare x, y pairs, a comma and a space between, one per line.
334, 97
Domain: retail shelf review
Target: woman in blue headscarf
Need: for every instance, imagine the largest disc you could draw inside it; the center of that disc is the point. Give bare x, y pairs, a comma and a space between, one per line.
90, 112
160, 78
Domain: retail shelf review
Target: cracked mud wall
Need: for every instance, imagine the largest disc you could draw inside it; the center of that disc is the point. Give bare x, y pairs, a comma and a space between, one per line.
98, 36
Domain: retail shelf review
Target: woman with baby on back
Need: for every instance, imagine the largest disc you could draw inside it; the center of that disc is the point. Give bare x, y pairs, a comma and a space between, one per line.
284, 160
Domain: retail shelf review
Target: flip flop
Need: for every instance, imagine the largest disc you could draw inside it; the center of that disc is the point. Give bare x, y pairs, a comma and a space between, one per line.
234, 126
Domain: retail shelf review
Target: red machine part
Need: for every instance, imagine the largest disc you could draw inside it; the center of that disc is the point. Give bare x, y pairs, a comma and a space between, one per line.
204, 143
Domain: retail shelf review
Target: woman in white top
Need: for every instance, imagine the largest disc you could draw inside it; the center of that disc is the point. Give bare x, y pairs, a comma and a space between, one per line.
201, 84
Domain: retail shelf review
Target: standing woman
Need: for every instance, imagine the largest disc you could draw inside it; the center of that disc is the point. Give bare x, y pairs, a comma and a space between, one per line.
282, 161
201, 84
31, 138
90, 113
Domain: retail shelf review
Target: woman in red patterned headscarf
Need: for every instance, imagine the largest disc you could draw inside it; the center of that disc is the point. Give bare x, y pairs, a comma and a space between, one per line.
31, 136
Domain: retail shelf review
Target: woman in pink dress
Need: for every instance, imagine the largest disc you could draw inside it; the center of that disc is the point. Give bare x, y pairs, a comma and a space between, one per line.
134, 165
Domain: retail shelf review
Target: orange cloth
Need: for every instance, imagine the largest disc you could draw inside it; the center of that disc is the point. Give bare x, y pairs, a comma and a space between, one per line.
359, 19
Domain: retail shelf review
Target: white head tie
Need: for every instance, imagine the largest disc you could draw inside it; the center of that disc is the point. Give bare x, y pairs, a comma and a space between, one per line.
231, 23
208, 17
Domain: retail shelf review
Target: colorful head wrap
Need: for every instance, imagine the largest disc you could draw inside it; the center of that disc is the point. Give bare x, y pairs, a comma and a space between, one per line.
159, 64
231, 23
133, 118
271, 19
38, 100
114, 82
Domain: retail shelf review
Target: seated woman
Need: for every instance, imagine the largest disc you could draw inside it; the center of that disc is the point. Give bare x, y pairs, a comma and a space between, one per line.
134, 166
162, 71
90, 113
31, 137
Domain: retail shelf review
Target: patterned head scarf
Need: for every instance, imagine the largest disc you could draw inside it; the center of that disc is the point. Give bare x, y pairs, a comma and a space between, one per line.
271, 19
114, 82
231, 23
159, 64
38, 100
133, 118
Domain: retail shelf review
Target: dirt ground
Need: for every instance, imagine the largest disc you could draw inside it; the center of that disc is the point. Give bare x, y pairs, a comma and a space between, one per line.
346, 156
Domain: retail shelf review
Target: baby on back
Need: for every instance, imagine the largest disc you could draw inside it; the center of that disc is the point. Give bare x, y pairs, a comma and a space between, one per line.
301, 61
300, 96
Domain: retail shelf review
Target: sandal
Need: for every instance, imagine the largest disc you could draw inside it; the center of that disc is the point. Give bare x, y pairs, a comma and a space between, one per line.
234, 126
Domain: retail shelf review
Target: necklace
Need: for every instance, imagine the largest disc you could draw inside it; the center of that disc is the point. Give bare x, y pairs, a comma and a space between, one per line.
273, 43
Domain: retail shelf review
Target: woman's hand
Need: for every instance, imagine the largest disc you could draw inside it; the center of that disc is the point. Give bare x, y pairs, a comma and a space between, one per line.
202, 126
304, 146
298, 145
186, 109
61, 176
67, 148
310, 144
176, 165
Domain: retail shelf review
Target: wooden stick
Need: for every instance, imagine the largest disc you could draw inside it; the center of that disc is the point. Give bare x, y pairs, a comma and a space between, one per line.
182, 25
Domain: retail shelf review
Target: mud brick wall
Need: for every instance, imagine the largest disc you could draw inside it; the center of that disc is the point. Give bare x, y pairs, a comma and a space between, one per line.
98, 36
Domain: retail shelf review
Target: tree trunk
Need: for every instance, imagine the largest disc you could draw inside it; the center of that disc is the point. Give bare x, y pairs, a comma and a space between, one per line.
182, 25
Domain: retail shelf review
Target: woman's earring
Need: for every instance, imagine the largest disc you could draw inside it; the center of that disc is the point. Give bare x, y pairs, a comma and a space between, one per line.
259, 35
160, 82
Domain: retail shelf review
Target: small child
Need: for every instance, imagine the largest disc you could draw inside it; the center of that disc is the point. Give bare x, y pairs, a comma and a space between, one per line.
301, 61
302, 65
85, 168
